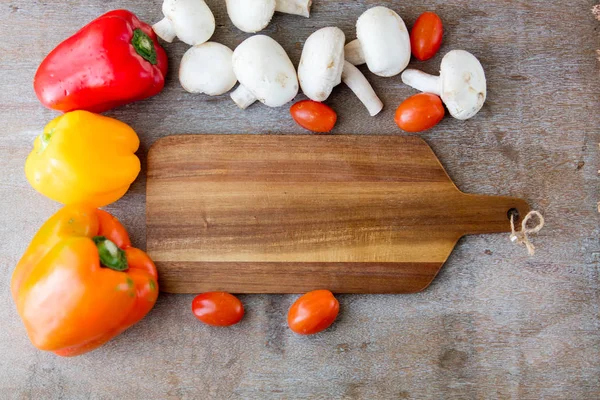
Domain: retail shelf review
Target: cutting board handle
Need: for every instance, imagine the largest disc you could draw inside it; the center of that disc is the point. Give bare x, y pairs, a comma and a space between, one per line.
491, 214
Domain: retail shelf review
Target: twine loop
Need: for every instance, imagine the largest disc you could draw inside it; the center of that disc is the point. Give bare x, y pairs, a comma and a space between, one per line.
520, 237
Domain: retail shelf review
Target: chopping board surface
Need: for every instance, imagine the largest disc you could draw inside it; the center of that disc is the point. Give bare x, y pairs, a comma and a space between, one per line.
293, 213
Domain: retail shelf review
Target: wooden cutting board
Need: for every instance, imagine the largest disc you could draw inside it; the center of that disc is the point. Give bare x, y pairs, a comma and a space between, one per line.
289, 214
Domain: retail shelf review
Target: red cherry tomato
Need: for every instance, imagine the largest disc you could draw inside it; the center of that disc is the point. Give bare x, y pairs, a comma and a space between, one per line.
218, 308
313, 312
419, 112
314, 116
426, 36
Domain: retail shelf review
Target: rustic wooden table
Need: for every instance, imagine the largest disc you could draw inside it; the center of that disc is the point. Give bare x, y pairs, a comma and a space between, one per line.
494, 324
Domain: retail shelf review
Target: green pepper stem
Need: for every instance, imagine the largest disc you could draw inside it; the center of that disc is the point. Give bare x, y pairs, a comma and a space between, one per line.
110, 255
144, 46
45, 139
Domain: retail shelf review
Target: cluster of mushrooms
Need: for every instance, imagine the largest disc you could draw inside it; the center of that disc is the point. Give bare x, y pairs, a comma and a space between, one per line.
266, 73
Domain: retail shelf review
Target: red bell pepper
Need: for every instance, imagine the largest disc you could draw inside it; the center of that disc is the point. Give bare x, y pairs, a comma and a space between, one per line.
113, 60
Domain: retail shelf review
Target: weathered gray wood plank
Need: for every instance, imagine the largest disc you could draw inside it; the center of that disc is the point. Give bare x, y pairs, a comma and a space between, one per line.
495, 323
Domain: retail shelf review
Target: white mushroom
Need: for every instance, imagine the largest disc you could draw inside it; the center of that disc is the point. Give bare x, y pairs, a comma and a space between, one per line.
383, 42
250, 15
321, 63
207, 68
461, 83
296, 7
265, 73
190, 20
322, 67
254, 15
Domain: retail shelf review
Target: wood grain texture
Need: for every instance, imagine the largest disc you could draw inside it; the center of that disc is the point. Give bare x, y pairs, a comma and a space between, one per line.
495, 323
295, 213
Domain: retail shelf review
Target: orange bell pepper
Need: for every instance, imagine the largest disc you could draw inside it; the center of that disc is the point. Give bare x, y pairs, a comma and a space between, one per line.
80, 283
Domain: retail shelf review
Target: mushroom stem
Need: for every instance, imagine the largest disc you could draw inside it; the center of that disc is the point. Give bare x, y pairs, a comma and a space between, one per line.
242, 97
422, 81
361, 87
353, 53
164, 29
297, 7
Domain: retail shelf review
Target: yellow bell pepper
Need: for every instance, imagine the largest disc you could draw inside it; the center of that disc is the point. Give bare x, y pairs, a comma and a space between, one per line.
84, 158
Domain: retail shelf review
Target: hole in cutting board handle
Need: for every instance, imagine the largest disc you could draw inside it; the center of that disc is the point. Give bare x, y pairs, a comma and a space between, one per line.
513, 212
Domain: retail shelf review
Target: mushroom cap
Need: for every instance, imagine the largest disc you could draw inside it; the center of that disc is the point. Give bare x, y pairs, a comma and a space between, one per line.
463, 85
263, 67
384, 40
207, 68
193, 21
321, 63
250, 15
